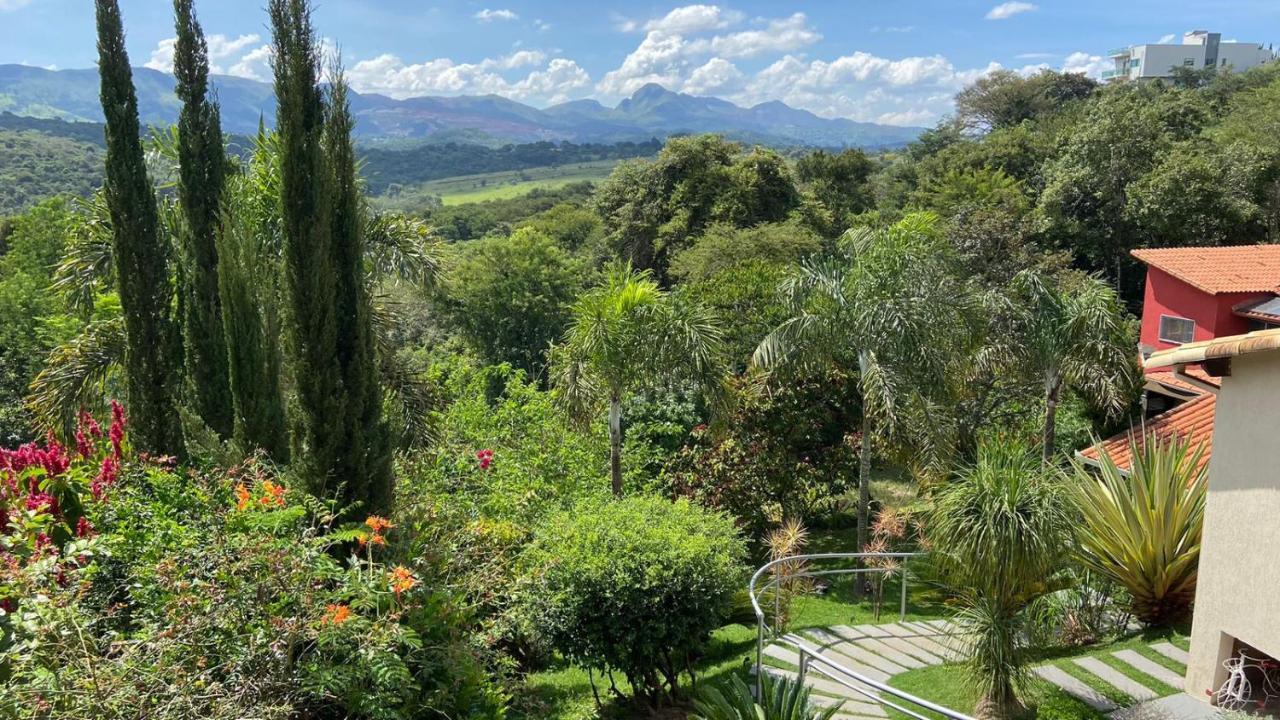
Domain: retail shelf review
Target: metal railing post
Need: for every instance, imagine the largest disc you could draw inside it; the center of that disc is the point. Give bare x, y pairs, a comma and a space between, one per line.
902, 610
804, 665
759, 658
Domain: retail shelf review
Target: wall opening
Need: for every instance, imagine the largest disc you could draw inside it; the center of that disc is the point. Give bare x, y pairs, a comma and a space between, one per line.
1251, 681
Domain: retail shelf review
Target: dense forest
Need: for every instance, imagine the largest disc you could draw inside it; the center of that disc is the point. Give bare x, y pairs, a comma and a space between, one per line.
43, 157
277, 454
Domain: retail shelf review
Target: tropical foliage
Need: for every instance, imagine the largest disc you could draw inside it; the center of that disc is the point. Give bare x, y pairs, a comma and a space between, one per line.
780, 699
1141, 528
999, 535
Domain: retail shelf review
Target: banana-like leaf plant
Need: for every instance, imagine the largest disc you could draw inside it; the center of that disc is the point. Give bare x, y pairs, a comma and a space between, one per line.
1142, 528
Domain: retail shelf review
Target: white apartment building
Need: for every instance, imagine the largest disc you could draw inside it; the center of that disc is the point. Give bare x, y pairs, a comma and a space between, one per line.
1199, 50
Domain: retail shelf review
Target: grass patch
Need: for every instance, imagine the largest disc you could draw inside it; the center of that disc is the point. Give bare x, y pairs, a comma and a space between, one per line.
512, 183
947, 685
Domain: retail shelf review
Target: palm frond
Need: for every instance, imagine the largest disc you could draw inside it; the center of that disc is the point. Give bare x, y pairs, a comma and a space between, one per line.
77, 376
402, 248
87, 265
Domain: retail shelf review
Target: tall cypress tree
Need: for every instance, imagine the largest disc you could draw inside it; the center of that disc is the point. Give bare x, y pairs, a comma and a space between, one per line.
368, 460
201, 183
341, 439
250, 294
141, 259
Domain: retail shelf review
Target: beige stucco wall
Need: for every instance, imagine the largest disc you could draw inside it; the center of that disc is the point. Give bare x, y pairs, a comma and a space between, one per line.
1238, 593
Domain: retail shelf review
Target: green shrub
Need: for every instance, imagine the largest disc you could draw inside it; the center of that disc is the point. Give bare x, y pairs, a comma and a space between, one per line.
633, 585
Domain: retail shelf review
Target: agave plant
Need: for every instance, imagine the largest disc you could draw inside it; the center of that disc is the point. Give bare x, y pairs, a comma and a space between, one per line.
780, 699
1142, 529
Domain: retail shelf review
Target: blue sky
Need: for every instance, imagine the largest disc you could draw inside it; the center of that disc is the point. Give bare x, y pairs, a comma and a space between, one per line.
897, 62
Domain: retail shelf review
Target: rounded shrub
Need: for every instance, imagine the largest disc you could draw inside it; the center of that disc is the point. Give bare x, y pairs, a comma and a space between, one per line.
633, 585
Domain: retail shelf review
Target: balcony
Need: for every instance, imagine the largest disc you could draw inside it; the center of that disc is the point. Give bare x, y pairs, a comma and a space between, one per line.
1120, 52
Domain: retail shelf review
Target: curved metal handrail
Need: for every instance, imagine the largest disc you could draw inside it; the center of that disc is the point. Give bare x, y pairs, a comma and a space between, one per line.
830, 669
842, 676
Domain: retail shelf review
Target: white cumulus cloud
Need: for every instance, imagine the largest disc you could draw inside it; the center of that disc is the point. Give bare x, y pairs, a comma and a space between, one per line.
1007, 10
692, 19
717, 76
389, 75
221, 48
487, 15
784, 35
1091, 65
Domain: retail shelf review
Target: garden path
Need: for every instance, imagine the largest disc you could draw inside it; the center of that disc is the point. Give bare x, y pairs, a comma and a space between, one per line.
1107, 683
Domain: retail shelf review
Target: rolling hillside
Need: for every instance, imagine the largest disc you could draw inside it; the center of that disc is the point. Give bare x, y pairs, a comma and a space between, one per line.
650, 112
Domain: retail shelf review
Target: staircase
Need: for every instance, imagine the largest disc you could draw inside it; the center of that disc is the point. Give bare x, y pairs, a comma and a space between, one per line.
873, 652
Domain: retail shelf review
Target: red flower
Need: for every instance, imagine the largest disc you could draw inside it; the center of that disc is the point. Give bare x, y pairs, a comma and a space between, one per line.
42, 502
107, 474
118, 424
84, 528
88, 423
485, 458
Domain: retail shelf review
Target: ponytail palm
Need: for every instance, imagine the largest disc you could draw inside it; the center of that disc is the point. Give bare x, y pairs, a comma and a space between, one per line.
892, 308
1142, 529
625, 334
1000, 534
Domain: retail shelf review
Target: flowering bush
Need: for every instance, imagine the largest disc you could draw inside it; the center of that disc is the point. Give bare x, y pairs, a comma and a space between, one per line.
221, 594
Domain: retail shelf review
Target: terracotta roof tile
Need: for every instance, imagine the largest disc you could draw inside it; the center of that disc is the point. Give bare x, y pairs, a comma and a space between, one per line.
1192, 420
1168, 379
1239, 268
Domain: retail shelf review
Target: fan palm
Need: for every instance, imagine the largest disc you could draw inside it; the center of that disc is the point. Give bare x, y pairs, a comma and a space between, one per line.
1142, 529
893, 308
1074, 335
780, 699
627, 333
1000, 535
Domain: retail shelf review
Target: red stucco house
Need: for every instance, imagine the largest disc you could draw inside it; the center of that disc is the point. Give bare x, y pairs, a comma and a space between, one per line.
1201, 293
1194, 294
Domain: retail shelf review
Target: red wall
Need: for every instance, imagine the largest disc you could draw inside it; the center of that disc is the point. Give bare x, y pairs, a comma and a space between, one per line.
1167, 295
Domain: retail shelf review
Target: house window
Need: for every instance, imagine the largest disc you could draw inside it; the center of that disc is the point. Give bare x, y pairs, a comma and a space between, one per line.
1177, 329
1189, 62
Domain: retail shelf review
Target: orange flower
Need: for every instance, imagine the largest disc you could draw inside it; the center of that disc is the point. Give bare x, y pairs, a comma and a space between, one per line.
378, 524
401, 579
273, 494
336, 614
242, 497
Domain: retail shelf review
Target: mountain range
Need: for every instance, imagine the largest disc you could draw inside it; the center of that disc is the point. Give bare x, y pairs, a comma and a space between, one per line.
652, 111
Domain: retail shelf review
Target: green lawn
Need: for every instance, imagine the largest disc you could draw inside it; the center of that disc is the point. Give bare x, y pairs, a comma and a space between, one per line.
946, 684
509, 184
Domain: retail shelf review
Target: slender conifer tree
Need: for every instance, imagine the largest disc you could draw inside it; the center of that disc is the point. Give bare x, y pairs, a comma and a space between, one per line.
141, 259
367, 460
201, 184
341, 441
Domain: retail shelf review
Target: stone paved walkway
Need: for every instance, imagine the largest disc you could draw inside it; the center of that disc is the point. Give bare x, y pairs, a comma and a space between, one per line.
1123, 679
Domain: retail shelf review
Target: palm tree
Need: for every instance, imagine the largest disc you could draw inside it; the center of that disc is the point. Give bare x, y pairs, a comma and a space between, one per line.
1000, 535
627, 333
891, 307
1142, 529
1074, 333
